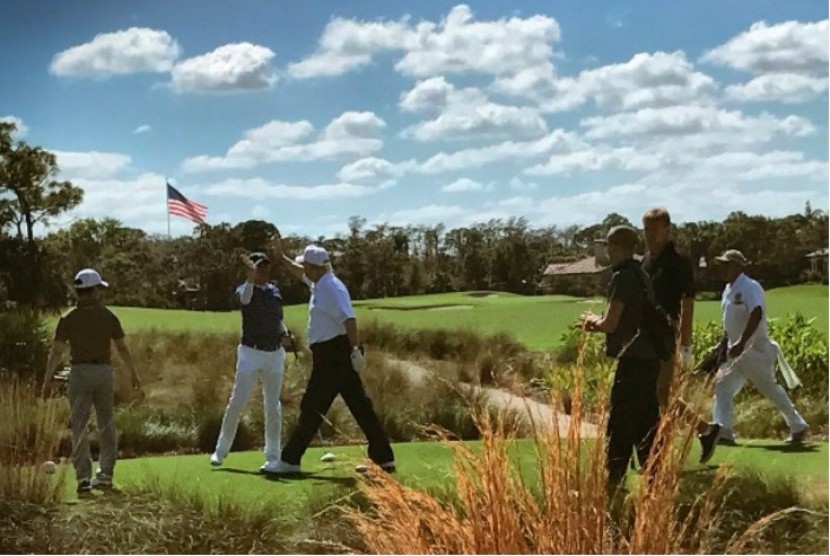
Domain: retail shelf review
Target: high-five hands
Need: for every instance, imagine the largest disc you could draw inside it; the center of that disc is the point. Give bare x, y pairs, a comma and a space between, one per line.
276, 246
249, 266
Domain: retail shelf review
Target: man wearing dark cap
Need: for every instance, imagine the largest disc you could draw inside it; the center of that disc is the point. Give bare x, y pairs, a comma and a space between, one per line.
751, 354
337, 360
634, 414
259, 355
87, 331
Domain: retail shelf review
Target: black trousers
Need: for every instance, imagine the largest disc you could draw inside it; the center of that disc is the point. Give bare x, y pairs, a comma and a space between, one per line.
332, 374
634, 415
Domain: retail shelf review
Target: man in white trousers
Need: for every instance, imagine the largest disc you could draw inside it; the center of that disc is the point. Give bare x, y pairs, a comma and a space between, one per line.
259, 355
751, 356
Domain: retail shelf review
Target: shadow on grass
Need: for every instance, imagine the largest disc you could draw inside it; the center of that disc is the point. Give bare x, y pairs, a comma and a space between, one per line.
786, 448
342, 481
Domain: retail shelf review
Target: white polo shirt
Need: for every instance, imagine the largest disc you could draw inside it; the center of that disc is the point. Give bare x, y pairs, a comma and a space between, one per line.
738, 301
329, 307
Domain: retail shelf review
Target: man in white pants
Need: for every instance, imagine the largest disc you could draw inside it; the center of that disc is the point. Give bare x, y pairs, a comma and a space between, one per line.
752, 355
259, 355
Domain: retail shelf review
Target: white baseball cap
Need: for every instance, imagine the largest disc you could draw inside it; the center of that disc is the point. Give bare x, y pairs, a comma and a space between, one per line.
732, 256
89, 278
314, 255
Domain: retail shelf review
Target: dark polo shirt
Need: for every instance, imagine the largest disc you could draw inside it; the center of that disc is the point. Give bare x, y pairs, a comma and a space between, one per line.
90, 329
626, 287
671, 277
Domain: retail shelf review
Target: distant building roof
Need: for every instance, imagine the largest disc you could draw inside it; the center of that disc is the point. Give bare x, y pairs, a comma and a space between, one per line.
587, 265
818, 254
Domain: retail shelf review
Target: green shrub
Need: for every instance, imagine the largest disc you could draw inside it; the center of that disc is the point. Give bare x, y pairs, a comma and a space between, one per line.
208, 431
805, 349
146, 430
24, 343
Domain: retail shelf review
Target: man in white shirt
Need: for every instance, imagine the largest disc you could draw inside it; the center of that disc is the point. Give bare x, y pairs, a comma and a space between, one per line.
259, 355
337, 359
751, 354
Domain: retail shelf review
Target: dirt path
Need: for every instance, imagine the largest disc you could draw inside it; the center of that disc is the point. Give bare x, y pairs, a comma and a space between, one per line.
539, 413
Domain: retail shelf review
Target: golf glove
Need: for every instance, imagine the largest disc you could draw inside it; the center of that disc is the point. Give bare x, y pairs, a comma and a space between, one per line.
358, 360
687, 357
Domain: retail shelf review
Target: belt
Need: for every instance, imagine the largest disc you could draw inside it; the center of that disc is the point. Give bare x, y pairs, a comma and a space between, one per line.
337, 341
91, 362
261, 347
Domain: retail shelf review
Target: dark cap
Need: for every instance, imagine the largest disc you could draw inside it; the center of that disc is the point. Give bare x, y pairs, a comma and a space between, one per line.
259, 258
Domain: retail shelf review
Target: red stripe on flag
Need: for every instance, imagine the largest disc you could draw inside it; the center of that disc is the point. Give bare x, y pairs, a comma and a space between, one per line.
195, 212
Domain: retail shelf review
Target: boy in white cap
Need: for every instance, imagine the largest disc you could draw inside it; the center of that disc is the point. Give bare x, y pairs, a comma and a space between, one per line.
751, 354
86, 331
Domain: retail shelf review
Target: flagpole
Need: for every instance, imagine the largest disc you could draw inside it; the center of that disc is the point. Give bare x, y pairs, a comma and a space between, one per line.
166, 208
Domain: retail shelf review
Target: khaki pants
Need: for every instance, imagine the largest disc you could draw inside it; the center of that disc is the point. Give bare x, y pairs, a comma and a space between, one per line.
664, 382
92, 385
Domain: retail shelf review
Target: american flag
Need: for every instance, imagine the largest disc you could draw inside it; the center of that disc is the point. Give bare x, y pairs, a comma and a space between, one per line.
179, 205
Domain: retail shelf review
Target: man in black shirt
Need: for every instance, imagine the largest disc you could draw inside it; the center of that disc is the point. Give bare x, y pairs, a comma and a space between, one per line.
672, 278
634, 413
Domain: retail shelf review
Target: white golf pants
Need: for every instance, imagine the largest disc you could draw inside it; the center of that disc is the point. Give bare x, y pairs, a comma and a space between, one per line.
251, 364
756, 364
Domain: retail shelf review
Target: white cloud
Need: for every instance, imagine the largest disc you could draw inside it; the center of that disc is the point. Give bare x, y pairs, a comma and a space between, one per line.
352, 134
90, 165
143, 129
128, 51
460, 45
429, 214
260, 212
258, 188
518, 202
705, 122
789, 61
353, 125
466, 114
463, 185
789, 47
372, 168
21, 131
597, 159
783, 87
348, 44
646, 80
507, 151
517, 184
232, 67
457, 44
106, 198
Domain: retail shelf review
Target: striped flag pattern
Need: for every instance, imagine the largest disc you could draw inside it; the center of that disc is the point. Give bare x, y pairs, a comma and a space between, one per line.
180, 205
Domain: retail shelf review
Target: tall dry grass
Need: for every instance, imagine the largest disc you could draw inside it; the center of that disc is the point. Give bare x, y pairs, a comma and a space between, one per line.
31, 427
564, 506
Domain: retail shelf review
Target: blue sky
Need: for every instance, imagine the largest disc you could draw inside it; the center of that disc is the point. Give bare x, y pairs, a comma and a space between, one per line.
306, 113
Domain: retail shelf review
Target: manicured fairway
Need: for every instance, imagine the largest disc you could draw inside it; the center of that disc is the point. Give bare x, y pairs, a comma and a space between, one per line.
424, 465
536, 321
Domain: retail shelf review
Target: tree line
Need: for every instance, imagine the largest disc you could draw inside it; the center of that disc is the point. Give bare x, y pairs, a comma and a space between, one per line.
200, 271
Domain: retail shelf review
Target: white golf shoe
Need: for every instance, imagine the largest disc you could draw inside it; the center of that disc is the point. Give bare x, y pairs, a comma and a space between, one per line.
280, 468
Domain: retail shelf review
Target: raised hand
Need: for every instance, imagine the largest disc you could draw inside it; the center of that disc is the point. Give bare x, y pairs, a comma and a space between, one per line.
249, 265
276, 245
